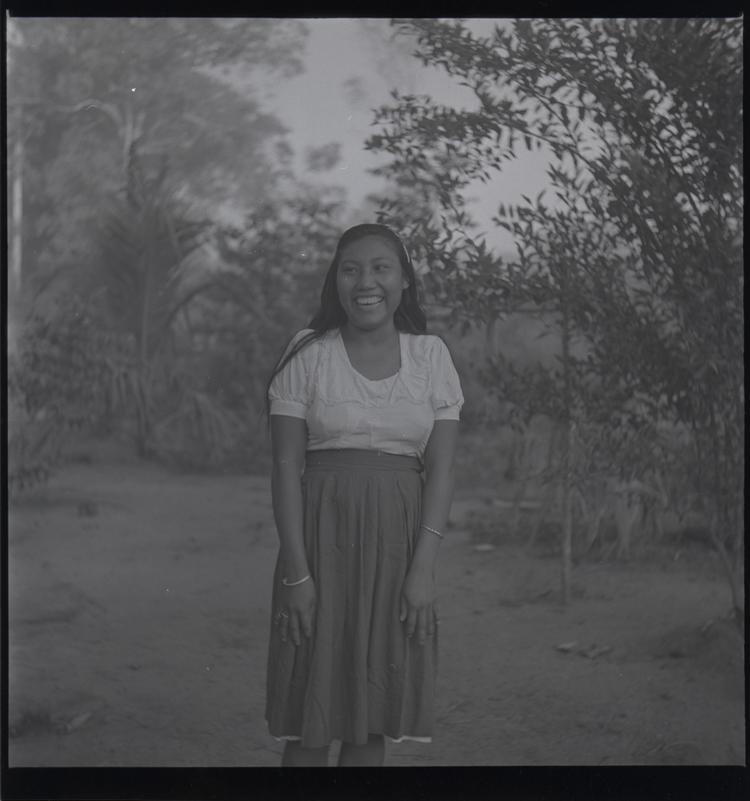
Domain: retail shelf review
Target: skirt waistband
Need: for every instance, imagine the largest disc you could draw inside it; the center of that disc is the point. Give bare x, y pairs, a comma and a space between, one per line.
353, 458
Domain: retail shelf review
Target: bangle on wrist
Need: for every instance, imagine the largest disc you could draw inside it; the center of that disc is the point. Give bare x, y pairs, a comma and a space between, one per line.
432, 530
287, 583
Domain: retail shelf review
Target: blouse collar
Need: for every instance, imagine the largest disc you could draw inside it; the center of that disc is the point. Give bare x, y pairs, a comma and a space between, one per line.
402, 358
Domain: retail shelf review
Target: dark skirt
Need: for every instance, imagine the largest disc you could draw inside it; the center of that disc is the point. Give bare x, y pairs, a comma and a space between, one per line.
358, 674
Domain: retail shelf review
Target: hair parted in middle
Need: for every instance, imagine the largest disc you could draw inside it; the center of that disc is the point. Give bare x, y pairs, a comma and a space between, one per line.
409, 317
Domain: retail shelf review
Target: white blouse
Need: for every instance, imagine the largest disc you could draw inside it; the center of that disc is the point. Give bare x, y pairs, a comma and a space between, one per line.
343, 409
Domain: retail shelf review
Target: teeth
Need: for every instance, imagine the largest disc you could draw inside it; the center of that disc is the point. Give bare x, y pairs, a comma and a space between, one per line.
367, 301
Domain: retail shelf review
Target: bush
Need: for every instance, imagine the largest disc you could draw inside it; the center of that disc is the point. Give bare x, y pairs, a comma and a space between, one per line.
56, 385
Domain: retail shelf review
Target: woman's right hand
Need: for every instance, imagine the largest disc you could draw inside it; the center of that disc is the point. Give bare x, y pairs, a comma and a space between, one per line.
299, 604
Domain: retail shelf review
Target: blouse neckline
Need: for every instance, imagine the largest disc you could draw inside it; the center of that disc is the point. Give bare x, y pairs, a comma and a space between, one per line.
364, 377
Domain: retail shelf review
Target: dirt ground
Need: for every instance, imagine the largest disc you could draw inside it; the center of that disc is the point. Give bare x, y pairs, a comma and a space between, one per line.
139, 621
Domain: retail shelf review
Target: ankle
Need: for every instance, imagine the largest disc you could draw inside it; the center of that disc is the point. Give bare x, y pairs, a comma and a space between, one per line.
295, 756
369, 754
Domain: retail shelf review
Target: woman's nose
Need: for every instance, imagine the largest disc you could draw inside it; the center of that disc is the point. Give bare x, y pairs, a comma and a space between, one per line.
365, 278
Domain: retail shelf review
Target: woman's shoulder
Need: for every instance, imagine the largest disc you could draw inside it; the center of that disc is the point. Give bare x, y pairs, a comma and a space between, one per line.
302, 345
420, 340
311, 345
301, 334
426, 346
309, 338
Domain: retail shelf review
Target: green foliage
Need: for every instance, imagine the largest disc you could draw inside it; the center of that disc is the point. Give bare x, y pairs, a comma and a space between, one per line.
637, 247
323, 158
193, 383
82, 92
140, 140
270, 285
56, 386
146, 240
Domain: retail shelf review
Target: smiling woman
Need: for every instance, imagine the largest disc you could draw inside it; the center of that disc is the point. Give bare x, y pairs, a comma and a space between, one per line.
370, 278
364, 410
370, 283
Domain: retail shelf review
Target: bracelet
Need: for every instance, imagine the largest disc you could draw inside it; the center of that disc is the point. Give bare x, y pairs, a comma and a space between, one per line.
288, 583
432, 531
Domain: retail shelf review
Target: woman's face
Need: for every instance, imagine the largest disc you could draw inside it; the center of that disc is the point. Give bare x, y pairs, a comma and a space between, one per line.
370, 281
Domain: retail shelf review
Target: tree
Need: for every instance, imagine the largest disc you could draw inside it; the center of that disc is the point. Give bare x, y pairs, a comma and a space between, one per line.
270, 288
56, 386
640, 245
137, 141
146, 241
81, 92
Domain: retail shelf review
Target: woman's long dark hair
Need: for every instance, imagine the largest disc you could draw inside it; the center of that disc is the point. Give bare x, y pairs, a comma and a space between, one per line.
409, 317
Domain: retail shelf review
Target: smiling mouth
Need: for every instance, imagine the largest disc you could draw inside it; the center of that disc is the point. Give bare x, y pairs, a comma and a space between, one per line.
368, 301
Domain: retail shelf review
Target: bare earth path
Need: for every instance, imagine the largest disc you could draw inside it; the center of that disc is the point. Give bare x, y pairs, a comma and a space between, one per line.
138, 626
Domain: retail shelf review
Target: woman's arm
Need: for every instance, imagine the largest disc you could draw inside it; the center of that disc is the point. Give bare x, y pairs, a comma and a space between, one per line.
289, 441
419, 587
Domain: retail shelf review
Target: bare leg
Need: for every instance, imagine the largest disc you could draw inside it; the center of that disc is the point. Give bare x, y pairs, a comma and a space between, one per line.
372, 754
295, 756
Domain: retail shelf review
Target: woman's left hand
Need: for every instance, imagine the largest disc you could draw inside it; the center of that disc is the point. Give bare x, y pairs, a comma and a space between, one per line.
418, 603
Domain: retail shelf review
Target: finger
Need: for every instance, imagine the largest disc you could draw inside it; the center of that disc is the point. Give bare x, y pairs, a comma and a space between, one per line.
422, 626
307, 623
402, 614
283, 627
411, 621
431, 618
294, 627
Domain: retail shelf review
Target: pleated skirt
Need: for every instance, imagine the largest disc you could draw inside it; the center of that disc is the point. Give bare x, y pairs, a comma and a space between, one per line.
358, 674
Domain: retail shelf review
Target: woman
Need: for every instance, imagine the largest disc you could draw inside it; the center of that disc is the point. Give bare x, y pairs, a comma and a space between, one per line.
364, 410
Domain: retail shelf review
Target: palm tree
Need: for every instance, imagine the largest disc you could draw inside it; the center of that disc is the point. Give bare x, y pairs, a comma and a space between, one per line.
146, 244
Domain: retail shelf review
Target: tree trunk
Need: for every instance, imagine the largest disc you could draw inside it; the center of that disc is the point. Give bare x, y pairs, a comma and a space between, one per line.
720, 519
567, 518
15, 315
732, 570
17, 206
567, 526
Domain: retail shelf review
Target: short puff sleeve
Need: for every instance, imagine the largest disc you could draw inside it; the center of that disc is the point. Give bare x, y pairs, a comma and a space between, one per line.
447, 397
289, 393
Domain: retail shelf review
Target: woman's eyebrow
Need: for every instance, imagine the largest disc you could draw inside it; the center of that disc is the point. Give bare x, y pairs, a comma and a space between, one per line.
384, 257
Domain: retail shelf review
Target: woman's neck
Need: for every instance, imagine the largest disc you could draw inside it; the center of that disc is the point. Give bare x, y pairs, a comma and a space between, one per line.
377, 337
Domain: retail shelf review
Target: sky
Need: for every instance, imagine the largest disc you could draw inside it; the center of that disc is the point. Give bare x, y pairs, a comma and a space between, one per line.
349, 70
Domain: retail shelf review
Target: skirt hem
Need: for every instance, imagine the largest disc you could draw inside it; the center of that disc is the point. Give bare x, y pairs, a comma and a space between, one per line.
403, 738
